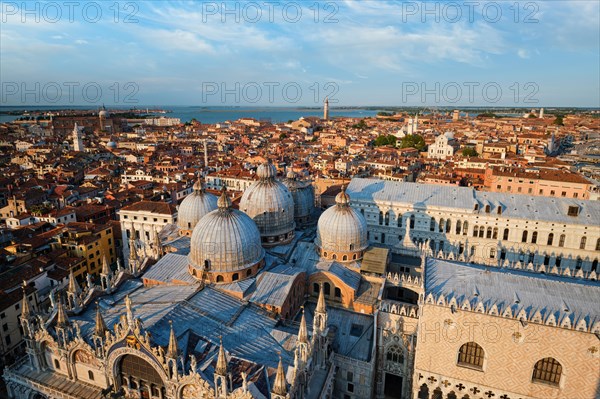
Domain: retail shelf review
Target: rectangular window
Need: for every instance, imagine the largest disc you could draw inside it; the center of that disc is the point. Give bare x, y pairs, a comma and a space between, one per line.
350, 387
350, 376
5, 327
8, 341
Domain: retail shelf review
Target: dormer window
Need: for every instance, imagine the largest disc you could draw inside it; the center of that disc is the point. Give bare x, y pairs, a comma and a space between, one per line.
573, 210
476, 208
487, 209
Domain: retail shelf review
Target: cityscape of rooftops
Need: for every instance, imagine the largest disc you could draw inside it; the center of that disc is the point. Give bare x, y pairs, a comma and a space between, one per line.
349, 199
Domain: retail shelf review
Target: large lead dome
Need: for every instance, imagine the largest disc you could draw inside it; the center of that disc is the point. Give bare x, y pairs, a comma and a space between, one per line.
225, 245
194, 207
270, 204
342, 231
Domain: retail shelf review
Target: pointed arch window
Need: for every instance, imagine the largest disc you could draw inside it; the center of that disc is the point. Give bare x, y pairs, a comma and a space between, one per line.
394, 354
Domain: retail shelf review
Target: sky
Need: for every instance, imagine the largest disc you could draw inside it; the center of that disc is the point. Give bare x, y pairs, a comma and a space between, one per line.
295, 53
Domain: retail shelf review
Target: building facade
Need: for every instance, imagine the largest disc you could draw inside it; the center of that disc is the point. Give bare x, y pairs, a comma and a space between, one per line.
483, 227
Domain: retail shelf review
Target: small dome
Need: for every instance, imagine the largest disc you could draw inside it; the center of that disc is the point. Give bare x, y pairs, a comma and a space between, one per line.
194, 207
225, 241
103, 114
342, 231
111, 144
449, 135
271, 205
303, 195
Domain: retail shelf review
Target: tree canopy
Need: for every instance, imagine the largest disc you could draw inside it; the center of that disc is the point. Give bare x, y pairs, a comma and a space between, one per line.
385, 139
413, 140
558, 121
360, 125
469, 152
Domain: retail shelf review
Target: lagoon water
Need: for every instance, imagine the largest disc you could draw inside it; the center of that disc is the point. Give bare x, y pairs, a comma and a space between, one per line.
217, 114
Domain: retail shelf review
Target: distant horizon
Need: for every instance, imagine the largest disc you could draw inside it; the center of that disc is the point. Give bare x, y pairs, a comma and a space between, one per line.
165, 106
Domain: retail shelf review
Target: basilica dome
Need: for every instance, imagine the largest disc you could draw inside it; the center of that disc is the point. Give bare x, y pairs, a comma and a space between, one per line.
225, 245
194, 207
271, 205
303, 195
341, 231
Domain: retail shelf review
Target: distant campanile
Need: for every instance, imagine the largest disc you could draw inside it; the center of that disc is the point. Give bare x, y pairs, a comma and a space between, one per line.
326, 109
77, 140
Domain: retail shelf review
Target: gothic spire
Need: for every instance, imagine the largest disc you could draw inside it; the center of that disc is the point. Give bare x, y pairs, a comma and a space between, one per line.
321, 302
280, 384
221, 368
303, 332
61, 317
100, 329
25, 309
105, 266
73, 285
172, 350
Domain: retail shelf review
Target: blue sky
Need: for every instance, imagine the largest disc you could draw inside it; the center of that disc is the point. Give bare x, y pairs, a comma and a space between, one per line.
358, 52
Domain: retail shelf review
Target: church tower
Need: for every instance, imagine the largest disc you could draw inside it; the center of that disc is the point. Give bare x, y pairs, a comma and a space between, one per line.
77, 139
326, 109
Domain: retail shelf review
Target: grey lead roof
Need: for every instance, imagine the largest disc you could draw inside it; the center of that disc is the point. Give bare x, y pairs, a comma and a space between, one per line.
171, 267
273, 288
464, 199
543, 292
